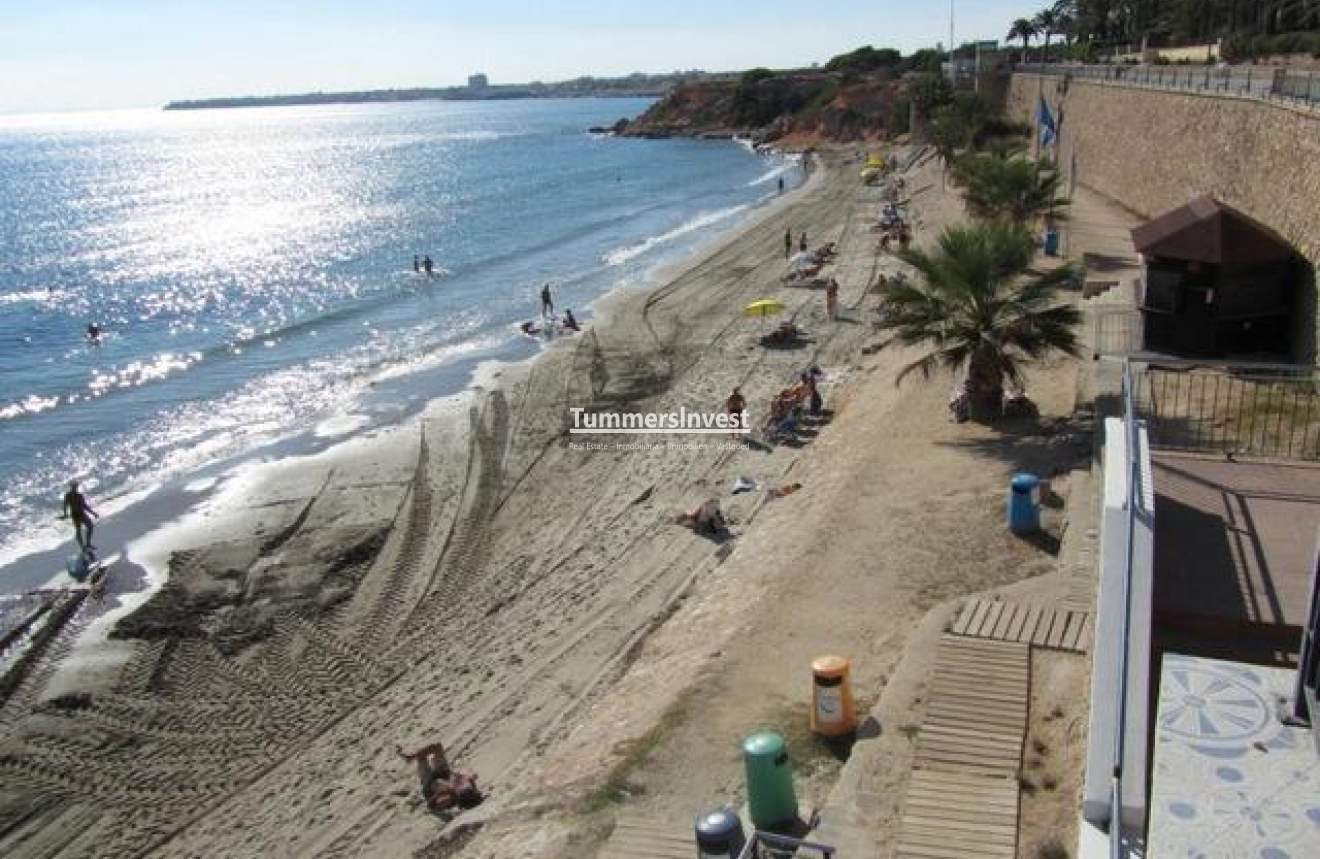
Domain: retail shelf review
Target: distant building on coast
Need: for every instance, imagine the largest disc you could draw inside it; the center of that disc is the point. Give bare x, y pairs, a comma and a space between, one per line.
478, 81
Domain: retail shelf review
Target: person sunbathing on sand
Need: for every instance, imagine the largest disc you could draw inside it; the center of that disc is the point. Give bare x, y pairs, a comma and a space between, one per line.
442, 788
706, 519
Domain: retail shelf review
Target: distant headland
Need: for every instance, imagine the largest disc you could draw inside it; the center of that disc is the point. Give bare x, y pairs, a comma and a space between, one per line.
478, 88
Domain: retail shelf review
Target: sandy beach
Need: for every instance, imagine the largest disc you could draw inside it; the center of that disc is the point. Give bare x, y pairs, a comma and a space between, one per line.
477, 579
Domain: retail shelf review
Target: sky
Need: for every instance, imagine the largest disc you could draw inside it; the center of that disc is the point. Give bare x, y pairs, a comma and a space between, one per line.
98, 54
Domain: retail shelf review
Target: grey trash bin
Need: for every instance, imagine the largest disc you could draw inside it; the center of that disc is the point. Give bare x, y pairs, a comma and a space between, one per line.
719, 835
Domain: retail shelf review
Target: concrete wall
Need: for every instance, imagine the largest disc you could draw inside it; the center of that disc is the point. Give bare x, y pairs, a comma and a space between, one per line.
1153, 151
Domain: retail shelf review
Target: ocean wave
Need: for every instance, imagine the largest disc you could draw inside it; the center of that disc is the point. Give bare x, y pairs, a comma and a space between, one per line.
471, 135
619, 256
770, 175
30, 405
51, 296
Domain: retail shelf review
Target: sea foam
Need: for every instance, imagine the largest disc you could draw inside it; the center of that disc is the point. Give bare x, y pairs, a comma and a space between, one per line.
619, 256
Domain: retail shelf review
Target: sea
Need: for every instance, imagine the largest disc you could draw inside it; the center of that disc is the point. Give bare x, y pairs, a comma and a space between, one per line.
250, 272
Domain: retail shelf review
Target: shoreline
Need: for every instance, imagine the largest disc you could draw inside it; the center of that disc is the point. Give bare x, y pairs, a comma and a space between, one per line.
439, 571
182, 509
532, 606
171, 502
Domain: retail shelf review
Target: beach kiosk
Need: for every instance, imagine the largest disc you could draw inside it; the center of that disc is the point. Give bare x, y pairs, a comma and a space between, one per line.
1216, 282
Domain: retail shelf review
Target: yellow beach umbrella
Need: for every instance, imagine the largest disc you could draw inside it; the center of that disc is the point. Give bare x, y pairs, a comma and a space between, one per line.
761, 308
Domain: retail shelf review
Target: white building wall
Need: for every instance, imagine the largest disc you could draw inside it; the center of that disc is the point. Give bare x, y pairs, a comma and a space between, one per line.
1107, 650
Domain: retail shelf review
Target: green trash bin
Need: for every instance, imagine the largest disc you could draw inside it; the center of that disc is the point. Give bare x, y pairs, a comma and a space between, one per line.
769, 781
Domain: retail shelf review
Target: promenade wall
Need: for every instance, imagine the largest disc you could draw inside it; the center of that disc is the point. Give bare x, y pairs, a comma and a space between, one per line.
1154, 150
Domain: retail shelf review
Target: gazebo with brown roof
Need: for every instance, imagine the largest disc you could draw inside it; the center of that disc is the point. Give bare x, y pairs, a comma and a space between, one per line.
1217, 282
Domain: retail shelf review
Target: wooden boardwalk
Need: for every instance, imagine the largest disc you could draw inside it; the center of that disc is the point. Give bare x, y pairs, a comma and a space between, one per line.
951, 815
641, 838
962, 798
1000, 620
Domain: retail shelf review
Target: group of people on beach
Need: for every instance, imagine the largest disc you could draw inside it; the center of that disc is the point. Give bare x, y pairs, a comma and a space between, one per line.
788, 242
893, 227
786, 409
551, 323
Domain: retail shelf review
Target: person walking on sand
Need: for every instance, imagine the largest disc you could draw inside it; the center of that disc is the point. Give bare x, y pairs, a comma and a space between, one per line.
547, 302
802, 243
77, 508
832, 299
788, 242
736, 406
781, 184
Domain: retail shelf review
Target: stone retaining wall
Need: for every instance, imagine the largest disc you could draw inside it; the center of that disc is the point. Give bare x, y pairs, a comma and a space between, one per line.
1153, 150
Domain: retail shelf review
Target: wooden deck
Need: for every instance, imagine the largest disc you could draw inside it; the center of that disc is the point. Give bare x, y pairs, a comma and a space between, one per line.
641, 838
1000, 620
951, 815
962, 798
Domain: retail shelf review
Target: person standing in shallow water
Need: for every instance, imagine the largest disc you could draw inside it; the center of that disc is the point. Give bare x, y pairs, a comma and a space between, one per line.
77, 508
547, 301
417, 264
428, 266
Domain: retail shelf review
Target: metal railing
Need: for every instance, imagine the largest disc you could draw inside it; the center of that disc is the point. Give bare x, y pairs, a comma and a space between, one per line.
766, 845
1296, 86
1256, 409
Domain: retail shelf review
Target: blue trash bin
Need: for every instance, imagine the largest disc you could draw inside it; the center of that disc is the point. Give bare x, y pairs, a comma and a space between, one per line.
1051, 243
719, 834
1024, 504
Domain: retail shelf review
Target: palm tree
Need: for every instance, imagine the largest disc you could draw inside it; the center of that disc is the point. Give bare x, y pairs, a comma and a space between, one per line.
1017, 188
1047, 23
1065, 20
1025, 30
980, 307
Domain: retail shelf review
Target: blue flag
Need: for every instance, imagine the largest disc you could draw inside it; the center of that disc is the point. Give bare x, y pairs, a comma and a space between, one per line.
1048, 130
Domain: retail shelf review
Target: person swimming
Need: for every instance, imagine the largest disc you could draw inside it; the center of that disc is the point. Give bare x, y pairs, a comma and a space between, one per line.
93, 332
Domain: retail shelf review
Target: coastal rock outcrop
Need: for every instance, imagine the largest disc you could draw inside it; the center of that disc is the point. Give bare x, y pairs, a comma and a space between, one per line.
802, 107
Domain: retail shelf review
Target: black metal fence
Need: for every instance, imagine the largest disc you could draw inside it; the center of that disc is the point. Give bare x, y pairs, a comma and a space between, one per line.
1297, 86
1267, 410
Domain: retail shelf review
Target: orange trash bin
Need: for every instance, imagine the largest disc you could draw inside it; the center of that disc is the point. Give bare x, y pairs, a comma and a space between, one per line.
833, 713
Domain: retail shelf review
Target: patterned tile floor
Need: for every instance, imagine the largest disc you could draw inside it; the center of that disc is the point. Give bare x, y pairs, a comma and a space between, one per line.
1231, 781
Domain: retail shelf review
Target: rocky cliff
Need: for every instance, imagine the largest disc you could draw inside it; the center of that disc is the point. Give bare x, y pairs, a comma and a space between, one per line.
802, 107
